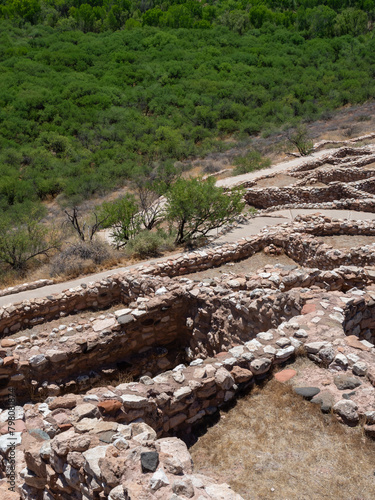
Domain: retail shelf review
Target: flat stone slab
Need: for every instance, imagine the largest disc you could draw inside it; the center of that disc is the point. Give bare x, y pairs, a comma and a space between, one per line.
352, 341
102, 324
106, 437
307, 392
285, 375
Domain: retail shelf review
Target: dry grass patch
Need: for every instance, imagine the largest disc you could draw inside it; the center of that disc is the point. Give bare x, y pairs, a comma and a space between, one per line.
275, 445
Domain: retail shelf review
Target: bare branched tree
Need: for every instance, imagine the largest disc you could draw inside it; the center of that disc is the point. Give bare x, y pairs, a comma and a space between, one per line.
299, 138
150, 205
84, 230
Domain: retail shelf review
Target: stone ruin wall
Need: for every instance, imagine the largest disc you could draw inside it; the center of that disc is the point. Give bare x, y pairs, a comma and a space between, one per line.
303, 248
349, 181
89, 440
275, 196
156, 322
33, 285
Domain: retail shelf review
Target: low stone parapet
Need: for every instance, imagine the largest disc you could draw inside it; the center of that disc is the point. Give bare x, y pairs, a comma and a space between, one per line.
26, 286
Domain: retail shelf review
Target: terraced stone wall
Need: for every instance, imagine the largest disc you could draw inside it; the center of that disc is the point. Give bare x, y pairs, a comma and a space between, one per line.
273, 196
161, 331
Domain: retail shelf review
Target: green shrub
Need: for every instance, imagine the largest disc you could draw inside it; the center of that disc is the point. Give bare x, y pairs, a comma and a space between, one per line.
252, 161
150, 244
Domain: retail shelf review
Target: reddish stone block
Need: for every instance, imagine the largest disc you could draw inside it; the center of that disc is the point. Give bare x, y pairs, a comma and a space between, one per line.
308, 308
285, 375
109, 406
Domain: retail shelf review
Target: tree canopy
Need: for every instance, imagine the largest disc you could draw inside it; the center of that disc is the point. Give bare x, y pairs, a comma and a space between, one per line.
195, 207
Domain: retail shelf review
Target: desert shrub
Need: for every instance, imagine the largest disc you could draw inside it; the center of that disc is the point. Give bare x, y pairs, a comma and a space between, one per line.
97, 251
349, 131
252, 161
150, 244
80, 257
211, 168
68, 266
24, 239
195, 207
299, 138
364, 118
123, 217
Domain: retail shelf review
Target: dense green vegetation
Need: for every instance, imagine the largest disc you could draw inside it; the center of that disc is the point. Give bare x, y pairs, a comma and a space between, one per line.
97, 92
312, 17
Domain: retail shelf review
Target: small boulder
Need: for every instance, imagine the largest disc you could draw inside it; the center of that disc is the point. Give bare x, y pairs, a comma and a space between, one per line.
347, 410
110, 406
325, 399
260, 366
241, 374
85, 410
346, 382
360, 368
183, 487
307, 392
224, 379
118, 493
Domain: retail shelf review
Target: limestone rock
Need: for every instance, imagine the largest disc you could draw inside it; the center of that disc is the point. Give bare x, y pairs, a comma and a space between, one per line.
38, 361
314, 347
67, 401
347, 410
92, 457
359, 368
85, 410
221, 492
56, 356
183, 487
224, 379
260, 366
325, 400
345, 382
134, 401
158, 480
118, 493
176, 449
241, 374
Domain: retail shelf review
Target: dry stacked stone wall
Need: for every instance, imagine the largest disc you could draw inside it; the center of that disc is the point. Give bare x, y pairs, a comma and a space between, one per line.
299, 240
344, 172
122, 441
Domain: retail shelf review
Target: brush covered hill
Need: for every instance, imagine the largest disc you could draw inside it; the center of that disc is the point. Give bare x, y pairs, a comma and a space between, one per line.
93, 92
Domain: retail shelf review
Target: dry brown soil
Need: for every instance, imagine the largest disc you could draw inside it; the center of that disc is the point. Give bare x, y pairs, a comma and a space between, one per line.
279, 180
246, 266
345, 241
